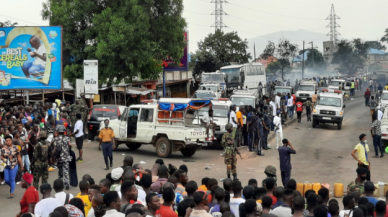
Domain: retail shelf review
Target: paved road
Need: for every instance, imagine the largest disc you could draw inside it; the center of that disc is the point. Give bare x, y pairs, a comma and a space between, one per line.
323, 155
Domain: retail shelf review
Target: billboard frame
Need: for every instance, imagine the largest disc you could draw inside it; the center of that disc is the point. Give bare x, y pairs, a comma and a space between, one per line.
61, 63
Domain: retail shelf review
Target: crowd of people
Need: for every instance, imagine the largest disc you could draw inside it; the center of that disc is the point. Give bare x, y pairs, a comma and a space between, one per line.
166, 191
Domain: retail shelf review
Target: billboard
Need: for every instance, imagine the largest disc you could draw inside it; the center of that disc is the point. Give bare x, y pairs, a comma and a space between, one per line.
183, 65
79, 87
91, 76
31, 58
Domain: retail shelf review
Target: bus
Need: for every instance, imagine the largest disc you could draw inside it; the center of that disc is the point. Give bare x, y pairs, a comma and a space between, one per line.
246, 75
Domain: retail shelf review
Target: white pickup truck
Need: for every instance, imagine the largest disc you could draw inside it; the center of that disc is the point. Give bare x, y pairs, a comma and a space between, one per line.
168, 125
306, 90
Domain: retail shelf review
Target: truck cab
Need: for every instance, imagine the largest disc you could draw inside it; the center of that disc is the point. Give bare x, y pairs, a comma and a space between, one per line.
284, 90
217, 90
305, 91
168, 125
245, 98
329, 108
340, 84
202, 94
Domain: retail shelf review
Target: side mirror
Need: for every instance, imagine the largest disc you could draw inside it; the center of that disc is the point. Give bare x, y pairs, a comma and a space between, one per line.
119, 117
344, 106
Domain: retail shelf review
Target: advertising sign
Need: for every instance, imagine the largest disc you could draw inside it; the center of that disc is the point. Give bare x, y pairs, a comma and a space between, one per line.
30, 58
91, 76
182, 65
79, 87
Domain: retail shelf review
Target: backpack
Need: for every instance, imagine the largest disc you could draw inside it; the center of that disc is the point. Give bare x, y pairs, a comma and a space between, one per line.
58, 148
43, 155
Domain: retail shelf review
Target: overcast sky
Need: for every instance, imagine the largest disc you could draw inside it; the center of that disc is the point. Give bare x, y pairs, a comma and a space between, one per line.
251, 18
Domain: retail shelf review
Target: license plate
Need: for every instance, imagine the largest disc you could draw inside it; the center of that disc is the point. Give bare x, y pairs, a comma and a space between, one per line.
304, 98
325, 118
102, 118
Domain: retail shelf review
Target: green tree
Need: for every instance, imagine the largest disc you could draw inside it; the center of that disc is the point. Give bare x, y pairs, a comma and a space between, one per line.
218, 50
385, 37
284, 51
8, 23
351, 56
127, 37
318, 63
375, 45
272, 68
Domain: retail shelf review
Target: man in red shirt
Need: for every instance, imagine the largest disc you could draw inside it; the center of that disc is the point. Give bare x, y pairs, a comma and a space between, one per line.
166, 207
299, 110
30, 197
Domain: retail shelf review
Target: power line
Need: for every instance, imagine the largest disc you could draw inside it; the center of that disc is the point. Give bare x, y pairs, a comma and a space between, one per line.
20, 20
218, 14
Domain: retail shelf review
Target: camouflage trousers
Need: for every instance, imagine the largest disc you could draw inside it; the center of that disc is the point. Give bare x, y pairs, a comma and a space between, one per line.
63, 172
231, 159
40, 171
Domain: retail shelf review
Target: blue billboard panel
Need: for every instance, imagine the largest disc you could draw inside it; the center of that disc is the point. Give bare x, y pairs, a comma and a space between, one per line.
30, 58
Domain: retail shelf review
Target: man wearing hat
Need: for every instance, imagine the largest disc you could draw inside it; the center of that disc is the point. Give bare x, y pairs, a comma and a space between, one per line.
62, 143
358, 184
48, 203
230, 150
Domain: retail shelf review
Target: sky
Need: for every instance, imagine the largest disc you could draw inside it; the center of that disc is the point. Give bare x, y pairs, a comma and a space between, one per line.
252, 18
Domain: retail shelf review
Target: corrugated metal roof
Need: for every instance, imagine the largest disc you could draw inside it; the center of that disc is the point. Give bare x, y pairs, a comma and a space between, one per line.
375, 51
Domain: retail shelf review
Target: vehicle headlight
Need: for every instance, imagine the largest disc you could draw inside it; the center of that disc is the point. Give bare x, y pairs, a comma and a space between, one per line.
315, 111
340, 113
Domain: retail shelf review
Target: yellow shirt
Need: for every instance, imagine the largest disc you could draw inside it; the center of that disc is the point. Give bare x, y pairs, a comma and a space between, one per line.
87, 203
361, 153
239, 117
106, 134
202, 187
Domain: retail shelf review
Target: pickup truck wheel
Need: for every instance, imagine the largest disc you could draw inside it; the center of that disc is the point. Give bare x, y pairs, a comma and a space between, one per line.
188, 152
163, 147
133, 146
90, 136
339, 125
314, 123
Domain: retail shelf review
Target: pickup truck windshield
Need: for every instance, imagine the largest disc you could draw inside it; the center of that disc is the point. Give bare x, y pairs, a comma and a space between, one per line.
306, 88
329, 101
282, 90
335, 83
243, 101
218, 110
385, 96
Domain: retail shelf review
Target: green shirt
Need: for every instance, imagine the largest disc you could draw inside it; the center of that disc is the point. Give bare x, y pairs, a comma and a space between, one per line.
227, 143
356, 186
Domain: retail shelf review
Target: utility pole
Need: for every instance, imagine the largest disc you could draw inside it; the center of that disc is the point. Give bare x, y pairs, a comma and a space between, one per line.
312, 51
303, 61
254, 51
218, 13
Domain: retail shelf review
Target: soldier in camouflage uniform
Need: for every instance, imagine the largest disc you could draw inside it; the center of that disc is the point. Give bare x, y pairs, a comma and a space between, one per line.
230, 150
75, 108
41, 157
270, 171
358, 184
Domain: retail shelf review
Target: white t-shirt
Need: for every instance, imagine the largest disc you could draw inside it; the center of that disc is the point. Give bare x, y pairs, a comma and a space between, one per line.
233, 115
281, 211
41, 50
379, 115
62, 196
290, 101
46, 206
277, 101
278, 122
79, 126
205, 117
234, 203
274, 108
342, 213
91, 212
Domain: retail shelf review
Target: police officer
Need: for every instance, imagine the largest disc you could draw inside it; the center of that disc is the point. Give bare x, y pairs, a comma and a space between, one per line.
84, 109
358, 184
270, 171
41, 157
107, 143
62, 155
230, 150
260, 133
266, 128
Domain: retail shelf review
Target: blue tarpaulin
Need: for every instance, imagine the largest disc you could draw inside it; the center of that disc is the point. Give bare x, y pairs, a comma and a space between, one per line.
176, 106
203, 102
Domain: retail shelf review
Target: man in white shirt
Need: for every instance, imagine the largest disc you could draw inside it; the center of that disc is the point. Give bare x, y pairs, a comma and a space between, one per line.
379, 113
60, 194
285, 209
79, 136
349, 204
277, 100
37, 68
232, 116
274, 107
47, 205
206, 122
236, 200
290, 106
277, 122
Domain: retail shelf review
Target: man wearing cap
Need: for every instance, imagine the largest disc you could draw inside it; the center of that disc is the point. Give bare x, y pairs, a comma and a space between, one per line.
47, 204
107, 142
358, 184
230, 150
362, 159
30, 197
62, 142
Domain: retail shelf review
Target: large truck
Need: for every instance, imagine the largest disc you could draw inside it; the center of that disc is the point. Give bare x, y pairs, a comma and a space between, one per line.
169, 125
306, 90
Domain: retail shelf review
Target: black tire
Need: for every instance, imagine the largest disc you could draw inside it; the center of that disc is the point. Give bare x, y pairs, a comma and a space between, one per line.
314, 123
188, 152
163, 147
132, 146
339, 125
90, 136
